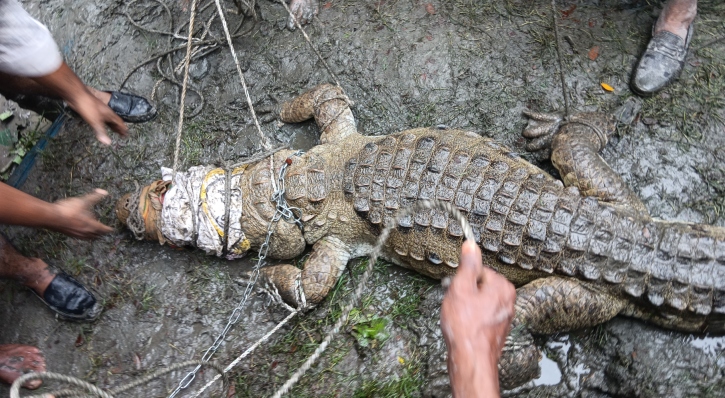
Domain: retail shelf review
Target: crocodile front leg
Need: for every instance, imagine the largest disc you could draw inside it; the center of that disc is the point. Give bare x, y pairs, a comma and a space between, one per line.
574, 149
309, 286
545, 306
329, 106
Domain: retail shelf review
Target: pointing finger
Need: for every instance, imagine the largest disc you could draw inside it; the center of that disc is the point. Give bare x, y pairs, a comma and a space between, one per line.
101, 135
94, 197
470, 268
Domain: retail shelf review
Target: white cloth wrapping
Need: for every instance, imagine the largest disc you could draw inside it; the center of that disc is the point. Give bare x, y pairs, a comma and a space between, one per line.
184, 207
26, 46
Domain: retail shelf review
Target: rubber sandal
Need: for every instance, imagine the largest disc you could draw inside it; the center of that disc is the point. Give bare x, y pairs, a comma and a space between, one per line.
70, 300
131, 108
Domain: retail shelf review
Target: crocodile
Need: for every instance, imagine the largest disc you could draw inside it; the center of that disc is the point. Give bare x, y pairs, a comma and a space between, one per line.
580, 250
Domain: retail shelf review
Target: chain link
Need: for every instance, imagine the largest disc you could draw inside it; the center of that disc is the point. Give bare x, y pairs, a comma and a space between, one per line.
282, 211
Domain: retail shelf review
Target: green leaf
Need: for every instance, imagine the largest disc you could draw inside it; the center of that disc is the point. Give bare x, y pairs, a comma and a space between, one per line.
17, 159
5, 115
6, 137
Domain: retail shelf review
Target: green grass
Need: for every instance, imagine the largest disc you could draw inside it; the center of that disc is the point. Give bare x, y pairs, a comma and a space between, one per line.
407, 385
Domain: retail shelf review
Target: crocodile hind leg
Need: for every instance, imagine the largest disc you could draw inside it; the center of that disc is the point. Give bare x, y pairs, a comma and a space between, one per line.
574, 149
309, 286
545, 306
329, 105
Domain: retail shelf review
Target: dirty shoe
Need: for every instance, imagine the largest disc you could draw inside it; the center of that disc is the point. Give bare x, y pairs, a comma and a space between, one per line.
661, 63
131, 108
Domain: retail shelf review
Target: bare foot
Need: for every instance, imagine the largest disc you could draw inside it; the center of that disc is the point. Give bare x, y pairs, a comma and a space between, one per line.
17, 359
103, 96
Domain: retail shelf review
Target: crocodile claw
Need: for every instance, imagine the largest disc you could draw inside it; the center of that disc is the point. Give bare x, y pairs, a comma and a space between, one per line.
268, 113
304, 11
541, 130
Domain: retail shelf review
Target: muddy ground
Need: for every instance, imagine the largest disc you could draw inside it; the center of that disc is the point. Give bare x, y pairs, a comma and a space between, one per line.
407, 63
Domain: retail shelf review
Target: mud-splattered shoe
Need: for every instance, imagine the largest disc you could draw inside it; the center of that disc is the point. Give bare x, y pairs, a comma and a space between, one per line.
131, 108
661, 63
70, 300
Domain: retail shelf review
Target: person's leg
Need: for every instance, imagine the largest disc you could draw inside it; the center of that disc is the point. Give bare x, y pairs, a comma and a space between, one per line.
17, 359
31, 94
59, 291
676, 17
664, 58
16, 85
31, 272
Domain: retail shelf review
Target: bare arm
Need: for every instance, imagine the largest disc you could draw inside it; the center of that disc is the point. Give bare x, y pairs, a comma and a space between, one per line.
63, 83
475, 319
71, 216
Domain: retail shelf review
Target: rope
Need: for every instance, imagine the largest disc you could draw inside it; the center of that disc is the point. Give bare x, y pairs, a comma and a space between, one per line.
419, 206
334, 77
135, 221
93, 391
265, 144
564, 91
187, 60
373, 258
247, 352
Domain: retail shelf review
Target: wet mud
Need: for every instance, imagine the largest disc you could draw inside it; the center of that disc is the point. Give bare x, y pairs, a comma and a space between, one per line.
407, 63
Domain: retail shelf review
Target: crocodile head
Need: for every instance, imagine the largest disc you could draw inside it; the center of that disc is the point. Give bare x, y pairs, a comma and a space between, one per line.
141, 212
123, 208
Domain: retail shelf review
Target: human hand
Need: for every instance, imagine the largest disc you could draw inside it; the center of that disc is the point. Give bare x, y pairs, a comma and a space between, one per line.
477, 308
99, 116
304, 11
74, 216
63, 83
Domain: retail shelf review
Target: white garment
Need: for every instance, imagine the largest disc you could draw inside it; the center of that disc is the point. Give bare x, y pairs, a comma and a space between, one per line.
194, 209
26, 46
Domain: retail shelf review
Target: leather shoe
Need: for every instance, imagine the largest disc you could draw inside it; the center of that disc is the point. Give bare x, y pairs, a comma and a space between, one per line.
661, 63
131, 108
70, 300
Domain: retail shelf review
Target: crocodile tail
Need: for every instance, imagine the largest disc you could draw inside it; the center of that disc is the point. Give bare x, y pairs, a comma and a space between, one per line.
676, 267
681, 267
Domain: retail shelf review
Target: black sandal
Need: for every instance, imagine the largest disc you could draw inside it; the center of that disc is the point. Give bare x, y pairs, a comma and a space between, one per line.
131, 108
70, 300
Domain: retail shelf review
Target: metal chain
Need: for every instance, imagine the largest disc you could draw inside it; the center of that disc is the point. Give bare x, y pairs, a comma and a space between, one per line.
373, 259
282, 211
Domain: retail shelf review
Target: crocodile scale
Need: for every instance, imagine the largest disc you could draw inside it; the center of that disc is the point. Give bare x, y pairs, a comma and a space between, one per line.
581, 250
523, 218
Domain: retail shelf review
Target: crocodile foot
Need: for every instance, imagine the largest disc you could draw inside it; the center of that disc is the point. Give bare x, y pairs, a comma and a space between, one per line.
519, 362
304, 11
541, 130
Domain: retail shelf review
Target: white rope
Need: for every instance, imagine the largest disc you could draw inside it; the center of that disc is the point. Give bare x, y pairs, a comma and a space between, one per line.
265, 144
416, 208
247, 352
187, 60
297, 23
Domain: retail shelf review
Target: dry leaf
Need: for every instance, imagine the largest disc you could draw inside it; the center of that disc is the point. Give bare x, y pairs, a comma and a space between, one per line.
327, 5
594, 53
607, 87
430, 9
569, 11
